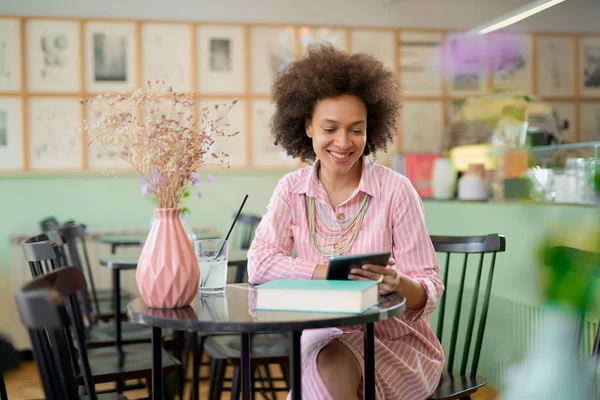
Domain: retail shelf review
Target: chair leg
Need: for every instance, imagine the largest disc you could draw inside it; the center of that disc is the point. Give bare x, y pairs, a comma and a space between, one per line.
217, 377
236, 384
178, 350
3, 393
285, 371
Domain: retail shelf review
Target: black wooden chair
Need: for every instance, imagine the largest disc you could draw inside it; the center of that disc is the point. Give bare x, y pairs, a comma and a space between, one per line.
243, 235
49, 224
42, 305
108, 364
464, 382
9, 360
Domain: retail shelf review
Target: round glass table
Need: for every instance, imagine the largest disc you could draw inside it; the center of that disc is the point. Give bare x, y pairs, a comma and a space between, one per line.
233, 312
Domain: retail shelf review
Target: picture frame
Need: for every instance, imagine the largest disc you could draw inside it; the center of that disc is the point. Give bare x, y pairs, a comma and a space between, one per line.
110, 57
11, 133
511, 58
98, 158
420, 63
236, 146
422, 126
380, 44
221, 61
264, 152
53, 53
308, 35
166, 54
10, 55
466, 66
272, 49
590, 121
589, 65
52, 144
555, 66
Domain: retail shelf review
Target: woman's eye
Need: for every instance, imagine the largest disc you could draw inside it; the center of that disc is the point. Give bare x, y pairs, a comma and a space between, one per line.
358, 132
329, 130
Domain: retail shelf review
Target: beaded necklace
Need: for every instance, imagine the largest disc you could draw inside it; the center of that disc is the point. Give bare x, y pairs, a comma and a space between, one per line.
336, 234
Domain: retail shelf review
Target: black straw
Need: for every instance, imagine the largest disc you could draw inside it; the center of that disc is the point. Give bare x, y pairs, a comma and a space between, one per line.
232, 225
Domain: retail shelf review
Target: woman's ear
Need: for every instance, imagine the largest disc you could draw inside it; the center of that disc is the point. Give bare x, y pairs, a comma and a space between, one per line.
308, 128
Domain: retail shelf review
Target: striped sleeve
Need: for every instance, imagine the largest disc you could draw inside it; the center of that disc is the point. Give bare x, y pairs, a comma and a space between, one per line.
413, 251
269, 256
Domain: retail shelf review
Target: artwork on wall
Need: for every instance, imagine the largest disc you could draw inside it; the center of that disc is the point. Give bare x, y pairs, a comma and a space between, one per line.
272, 50
10, 55
221, 59
99, 158
264, 152
51, 140
379, 44
422, 126
590, 121
110, 59
420, 64
53, 56
234, 146
166, 55
555, 69
511, 61
308, 35
11, 130
589, 61
466, 65
565, 114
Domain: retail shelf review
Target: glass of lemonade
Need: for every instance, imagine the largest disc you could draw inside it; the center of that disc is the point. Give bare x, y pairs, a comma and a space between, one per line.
213, 265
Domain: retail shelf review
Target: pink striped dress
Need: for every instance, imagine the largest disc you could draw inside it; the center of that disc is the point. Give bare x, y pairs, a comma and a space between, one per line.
408, 356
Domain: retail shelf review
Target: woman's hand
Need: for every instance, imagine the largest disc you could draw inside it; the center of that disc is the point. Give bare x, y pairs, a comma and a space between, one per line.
388, 277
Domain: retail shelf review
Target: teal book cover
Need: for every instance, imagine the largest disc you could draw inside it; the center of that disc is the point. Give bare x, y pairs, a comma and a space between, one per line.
306, 284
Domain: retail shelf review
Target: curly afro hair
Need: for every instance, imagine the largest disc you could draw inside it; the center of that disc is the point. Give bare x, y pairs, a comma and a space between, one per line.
327, 72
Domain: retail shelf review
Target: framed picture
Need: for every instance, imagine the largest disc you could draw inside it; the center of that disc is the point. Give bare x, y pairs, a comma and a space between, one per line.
52, 143
272, 50
264, 152
589, 61
11, 133
565, 114
10, 55
466, 65
590, 121
420, 63
53, 56
221, 59
511, 61
234, 146
110, 57
422, 126
98, 158
555, 66
308, 35
166, 55
379, 44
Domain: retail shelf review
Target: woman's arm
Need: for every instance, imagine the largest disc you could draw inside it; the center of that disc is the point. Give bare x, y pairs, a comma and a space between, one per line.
269, 255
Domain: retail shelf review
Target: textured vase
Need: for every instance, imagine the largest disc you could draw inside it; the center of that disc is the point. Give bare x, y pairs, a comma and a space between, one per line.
167, 273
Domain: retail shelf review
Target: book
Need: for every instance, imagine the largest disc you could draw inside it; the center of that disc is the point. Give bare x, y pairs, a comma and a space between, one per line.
317, 296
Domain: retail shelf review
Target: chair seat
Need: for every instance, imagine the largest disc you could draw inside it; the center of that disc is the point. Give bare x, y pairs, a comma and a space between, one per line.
266, 348
107, 294
105, 334
104, 363
106, 311
456, 386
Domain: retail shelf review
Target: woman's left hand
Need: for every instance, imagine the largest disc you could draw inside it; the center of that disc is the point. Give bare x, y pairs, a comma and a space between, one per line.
388, 277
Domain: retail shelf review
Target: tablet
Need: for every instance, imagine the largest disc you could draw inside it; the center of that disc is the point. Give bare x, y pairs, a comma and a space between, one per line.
339, 267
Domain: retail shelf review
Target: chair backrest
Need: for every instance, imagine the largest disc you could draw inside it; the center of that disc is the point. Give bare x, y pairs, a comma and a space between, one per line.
467, 245
42, 305
245, 229
49, 224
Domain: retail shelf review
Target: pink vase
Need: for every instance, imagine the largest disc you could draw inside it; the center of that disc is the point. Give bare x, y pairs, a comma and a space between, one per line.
167, 273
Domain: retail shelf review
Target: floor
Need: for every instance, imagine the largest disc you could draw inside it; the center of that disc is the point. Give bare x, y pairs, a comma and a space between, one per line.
23, 383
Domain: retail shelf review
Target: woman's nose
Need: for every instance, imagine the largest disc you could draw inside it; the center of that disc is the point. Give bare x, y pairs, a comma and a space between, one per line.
343, 140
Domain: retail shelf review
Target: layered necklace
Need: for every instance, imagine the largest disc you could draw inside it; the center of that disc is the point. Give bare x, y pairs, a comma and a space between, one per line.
331, 237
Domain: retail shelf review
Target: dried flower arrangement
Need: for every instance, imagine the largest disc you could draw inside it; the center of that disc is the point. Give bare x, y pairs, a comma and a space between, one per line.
155, 130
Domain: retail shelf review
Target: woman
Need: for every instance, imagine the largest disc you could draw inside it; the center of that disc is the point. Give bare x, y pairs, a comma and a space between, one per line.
339, 108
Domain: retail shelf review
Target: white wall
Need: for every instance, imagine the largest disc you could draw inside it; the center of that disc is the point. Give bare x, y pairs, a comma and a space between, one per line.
570, 16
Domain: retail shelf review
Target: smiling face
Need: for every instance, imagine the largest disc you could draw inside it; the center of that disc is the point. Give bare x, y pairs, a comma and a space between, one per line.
338, 130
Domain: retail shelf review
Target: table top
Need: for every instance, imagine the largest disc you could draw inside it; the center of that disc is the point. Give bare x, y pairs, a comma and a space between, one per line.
138, 240
234, 312
129, 260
